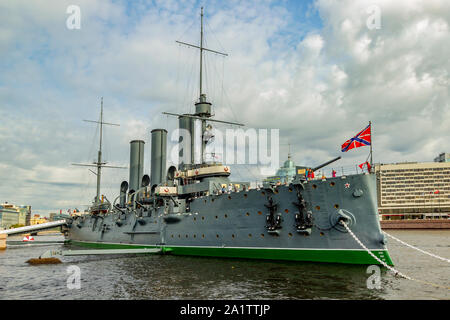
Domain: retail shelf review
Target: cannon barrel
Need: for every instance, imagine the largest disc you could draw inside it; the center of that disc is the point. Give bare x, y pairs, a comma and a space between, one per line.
325, 164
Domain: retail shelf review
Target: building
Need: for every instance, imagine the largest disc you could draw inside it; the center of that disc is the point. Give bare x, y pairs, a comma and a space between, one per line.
37, 219
9, 215
24, 215
284, 174
413, 190
443, 157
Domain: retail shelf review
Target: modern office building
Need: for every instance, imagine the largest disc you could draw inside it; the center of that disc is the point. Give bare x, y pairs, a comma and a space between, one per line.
9, 215
443, 157
413, 190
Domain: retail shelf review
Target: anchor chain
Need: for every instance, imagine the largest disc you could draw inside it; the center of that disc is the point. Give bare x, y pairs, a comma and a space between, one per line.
412, 247
396, 272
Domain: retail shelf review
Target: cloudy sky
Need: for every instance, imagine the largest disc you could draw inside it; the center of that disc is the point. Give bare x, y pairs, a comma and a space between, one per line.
317, 70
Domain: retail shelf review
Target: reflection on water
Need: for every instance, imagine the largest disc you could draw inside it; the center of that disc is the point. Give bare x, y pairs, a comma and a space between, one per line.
172, 277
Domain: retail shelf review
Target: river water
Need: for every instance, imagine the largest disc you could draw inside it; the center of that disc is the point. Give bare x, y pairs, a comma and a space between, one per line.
176, 277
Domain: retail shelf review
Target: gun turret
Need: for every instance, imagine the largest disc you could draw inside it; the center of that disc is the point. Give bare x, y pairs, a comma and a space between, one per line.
325, 164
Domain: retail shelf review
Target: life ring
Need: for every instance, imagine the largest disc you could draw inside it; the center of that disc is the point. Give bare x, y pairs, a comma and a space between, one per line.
166, 190
225, 169
196, 171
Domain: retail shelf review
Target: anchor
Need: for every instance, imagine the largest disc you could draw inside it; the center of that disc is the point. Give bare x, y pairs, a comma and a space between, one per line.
303, 219
272, 222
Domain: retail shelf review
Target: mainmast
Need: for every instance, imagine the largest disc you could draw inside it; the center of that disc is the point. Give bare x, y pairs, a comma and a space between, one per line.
99, 164
202, 107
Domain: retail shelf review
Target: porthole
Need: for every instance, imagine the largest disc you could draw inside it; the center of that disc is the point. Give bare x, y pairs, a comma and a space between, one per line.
172, 235
332, 183
217, 236
314, 186
322, 234
290, 189
249, 235
262, 235
195, 236
203, 218
259, 212
336, 206
247, 214
186, 236
217, 217
229, 197
286, 210
203, 236
290, 234
232, 236
317, 207
245, 195
195, 218
179, 236
263, 193
212, 200
226, 216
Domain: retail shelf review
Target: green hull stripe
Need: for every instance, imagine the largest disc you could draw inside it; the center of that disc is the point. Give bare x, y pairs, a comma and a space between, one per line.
333, 256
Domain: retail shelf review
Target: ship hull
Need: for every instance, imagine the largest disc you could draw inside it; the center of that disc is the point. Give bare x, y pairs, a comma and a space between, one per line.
234, 225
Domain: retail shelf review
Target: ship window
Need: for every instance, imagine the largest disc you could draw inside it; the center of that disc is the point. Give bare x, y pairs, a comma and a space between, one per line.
195, 236
203, 218
172, 236
263, 193
212, 200
332, 184
336, 206
179, 236
195, 218
286, 210
229, 197
226, 216
247, 214
321, 233
249, 235
203, 235
186, 236
232, 236
290, 189
245, 195
217, 217
318, 207
259, 212
290, 234
314, 186
217, 235
262, 235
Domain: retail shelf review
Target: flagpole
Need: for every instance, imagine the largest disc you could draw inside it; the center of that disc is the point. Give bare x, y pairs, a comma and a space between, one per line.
371, 141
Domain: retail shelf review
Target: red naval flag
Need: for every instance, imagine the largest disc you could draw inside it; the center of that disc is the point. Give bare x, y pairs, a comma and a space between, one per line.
363, 138
365, 163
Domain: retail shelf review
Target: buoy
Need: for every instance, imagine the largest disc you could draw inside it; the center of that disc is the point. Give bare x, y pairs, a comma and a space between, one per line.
27, 238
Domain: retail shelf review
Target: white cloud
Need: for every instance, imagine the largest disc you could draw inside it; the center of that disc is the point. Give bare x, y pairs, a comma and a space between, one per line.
319, 87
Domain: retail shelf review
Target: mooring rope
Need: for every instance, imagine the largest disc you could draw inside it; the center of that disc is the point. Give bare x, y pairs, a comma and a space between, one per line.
423, 251
396, 272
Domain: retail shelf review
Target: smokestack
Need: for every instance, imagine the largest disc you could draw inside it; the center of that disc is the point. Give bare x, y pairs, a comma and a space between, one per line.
159, 157
186, 142
136, 164
123, 193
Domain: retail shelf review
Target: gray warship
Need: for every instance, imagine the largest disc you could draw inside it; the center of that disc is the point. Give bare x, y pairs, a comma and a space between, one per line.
188, 211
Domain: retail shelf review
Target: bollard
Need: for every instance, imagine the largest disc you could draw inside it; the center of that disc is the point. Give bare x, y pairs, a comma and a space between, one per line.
3, 237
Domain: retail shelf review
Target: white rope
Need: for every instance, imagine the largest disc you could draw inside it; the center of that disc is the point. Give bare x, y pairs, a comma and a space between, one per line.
396, 272
408, 245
